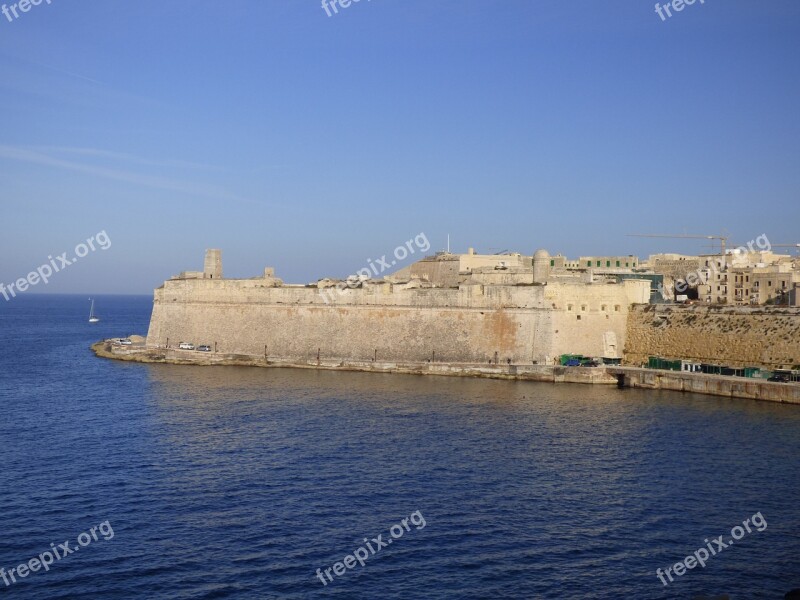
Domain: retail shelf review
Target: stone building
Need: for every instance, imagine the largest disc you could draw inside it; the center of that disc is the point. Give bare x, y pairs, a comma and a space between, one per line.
748, 278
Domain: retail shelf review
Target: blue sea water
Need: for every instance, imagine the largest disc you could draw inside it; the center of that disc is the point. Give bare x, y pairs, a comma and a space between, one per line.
225, 482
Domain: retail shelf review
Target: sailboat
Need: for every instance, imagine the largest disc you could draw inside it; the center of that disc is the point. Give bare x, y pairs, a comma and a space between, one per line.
92, 317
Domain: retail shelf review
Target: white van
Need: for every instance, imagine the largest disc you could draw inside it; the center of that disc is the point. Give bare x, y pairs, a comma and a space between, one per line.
186, 346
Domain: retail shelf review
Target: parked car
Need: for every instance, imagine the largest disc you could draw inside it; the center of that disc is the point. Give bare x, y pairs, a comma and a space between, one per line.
204, 348
125, 342
186, 346
779, 379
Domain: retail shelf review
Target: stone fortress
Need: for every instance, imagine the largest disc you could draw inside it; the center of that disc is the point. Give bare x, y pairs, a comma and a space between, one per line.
506, 316
451, 308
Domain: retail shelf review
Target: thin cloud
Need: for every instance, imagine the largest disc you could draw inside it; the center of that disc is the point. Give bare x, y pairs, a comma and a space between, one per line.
121, 156
162, 183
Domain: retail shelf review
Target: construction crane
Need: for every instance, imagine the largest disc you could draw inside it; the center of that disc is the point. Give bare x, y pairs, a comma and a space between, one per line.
723, 239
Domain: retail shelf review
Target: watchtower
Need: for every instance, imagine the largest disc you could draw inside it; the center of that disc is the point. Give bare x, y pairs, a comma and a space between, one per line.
212, 269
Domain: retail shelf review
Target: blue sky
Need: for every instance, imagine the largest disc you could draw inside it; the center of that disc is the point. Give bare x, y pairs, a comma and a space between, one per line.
312, 143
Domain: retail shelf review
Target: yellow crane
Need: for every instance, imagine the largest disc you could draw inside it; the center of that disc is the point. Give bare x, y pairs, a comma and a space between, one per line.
723, 239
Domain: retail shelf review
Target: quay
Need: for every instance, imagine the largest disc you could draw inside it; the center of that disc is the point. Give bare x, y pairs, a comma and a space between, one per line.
621, 376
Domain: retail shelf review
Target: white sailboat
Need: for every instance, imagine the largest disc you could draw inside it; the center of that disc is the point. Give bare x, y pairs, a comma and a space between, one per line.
92, 317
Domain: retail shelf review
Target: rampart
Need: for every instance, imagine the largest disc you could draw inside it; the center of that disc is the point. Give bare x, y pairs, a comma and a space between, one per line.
767, 337
383, 321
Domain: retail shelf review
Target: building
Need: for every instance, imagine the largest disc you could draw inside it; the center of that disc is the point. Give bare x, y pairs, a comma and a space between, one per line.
747, 278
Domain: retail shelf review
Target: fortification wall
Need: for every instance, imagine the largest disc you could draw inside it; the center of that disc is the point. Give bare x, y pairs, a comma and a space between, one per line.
360, 332
471, 324
733, 336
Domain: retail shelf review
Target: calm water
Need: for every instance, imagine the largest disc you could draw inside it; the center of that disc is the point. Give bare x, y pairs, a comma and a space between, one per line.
241, 483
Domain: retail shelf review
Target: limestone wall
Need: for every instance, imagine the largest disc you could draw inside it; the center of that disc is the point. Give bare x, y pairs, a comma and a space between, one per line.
733, 336
471, 324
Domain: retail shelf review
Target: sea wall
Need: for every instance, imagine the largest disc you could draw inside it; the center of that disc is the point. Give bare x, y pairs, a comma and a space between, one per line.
767, 337
471, 324
713, 385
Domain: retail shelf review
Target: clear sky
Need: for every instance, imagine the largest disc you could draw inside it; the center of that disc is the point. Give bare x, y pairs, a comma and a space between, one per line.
312, 143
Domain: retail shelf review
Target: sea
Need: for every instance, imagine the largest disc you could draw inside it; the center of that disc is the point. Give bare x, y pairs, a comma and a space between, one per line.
125, 480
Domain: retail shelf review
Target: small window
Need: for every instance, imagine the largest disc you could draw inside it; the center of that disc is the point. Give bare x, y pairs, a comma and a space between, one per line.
589, 263
616, 308
569, 307
552, 263
617, 263
583, 308
598, 263
608, 263
579, 317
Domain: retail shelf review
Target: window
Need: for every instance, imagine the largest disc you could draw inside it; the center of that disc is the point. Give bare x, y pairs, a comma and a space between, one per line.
552, 263
608, 263
626, 264
583, 308
618, 263
579, 317
616, 308
598, 263
589, 263
569, 306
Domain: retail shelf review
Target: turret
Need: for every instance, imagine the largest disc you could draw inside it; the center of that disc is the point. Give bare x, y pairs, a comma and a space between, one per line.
541, 266
212, 269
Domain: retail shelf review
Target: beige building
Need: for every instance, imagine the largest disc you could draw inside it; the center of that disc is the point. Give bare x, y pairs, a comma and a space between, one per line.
609, 262
747, 278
